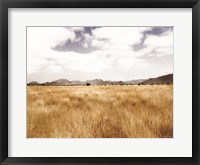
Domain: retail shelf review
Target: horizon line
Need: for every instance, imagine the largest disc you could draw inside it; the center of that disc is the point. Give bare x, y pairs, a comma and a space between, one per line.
99, 79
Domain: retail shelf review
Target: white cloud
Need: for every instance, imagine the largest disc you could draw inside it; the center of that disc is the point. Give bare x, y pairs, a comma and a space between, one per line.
48, 36
114, 59
121, 37
160, 45
40, 40
85, 45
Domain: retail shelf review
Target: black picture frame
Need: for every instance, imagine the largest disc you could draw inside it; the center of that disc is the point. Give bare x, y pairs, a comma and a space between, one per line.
6, 4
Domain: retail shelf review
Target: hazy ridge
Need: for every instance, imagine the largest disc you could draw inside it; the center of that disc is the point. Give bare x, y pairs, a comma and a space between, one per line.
161, 80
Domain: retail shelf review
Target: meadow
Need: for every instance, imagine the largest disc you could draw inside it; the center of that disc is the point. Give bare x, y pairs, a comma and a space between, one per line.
144, 111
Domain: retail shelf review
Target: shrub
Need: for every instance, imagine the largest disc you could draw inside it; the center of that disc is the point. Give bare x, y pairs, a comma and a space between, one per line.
88, 84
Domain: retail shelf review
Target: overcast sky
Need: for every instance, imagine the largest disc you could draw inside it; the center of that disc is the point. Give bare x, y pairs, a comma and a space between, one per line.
108, 53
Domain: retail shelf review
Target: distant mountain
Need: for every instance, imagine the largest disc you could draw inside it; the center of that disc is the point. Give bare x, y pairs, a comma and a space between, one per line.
166, 79
60, 82
102, 82
33, 83
95, 82
76, 82
134, 82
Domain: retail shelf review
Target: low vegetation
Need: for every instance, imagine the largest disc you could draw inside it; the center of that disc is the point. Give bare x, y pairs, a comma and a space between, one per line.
144, 111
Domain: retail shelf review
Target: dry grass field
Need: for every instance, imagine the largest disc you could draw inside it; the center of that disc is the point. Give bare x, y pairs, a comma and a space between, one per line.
144, 111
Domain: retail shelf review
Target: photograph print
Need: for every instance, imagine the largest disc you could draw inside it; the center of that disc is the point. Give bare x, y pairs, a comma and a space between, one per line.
100, 82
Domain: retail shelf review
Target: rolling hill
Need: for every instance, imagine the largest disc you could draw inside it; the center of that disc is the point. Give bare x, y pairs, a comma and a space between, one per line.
166, 79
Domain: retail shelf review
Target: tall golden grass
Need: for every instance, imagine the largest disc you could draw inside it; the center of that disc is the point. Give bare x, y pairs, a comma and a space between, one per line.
100, 111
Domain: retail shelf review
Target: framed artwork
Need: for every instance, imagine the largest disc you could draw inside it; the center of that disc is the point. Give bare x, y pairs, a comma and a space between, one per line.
87, 82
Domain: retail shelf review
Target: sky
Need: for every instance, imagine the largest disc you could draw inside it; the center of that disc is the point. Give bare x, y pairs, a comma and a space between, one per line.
108, 53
